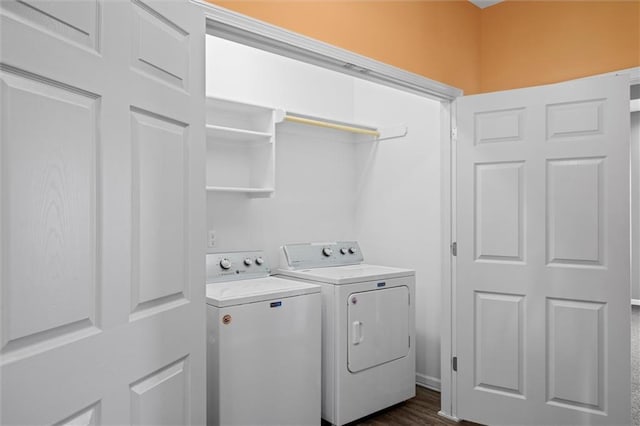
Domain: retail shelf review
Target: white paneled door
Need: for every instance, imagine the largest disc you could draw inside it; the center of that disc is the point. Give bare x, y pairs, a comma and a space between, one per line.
542, 310
102, 212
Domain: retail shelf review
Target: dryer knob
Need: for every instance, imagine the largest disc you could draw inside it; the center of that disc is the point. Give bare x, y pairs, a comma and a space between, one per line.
352, 250
343, 250
259, 261
327, 251
248, 261
225, 263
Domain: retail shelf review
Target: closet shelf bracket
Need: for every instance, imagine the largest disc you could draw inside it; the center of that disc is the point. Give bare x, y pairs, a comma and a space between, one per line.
395, 132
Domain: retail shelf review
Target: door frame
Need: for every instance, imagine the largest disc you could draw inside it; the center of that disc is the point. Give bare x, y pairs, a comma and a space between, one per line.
448, 328
242, 29
635, 234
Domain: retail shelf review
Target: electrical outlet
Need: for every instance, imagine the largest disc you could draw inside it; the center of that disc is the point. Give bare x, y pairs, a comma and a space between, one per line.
211, 241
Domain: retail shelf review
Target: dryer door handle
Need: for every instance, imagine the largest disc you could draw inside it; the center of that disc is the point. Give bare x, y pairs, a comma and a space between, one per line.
357, 335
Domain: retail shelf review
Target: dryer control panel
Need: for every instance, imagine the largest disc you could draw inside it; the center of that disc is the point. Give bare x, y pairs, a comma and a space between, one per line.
319, 255
237, 265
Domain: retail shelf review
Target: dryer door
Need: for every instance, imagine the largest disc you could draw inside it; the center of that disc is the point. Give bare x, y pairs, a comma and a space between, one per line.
378, 322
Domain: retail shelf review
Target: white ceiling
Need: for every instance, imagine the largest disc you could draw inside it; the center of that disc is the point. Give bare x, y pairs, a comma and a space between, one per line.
484, 3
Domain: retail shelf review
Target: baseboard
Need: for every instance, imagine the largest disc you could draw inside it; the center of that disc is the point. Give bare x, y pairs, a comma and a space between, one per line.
635, 302
428, 382
434, 384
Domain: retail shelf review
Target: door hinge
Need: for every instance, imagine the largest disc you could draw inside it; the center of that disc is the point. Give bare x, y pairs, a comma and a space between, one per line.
454, 248
454, 133
454, 363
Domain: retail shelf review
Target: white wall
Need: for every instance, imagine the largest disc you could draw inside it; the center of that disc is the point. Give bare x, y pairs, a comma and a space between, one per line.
239, 72
384, 194
398, 207
315, 177
635, 205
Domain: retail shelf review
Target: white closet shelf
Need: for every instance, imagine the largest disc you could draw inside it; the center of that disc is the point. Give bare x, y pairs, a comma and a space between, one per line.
236, 106
253, 192
233, 124
221, 133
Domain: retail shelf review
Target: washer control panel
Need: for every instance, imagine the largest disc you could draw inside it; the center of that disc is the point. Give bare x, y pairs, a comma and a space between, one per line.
238, 265
318, 255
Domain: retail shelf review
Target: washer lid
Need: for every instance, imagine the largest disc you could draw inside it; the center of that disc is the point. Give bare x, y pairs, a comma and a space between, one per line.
348, 274
231, 293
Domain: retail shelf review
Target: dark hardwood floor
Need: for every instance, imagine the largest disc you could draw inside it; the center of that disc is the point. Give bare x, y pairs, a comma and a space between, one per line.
421, 410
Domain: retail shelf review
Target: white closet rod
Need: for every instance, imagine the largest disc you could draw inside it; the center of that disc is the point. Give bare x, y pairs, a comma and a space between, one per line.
330, 125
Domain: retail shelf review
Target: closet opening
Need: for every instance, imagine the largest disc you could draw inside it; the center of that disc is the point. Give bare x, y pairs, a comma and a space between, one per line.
404, 182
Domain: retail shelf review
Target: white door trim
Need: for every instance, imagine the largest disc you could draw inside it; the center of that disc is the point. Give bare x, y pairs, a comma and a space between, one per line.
447, 236
633, 73
252, 32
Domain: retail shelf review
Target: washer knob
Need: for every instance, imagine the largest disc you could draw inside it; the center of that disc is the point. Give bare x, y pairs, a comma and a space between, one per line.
248, 261
225, 263
259, 261
327, 251
352, 250
343, 250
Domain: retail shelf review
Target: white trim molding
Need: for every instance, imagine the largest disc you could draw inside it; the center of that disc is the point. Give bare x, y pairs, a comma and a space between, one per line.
483, 4
633, 73
242, 29
635, 302
428, 382
447, 236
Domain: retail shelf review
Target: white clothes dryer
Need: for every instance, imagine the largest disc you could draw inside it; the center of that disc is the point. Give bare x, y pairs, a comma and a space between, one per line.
263, 344
368, 327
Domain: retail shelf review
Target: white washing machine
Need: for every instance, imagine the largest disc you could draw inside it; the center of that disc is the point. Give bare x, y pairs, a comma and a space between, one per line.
368, 328
263, 344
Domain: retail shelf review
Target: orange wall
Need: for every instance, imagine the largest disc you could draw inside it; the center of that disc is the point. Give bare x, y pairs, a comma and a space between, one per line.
512, 44
436, 39
527, 43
